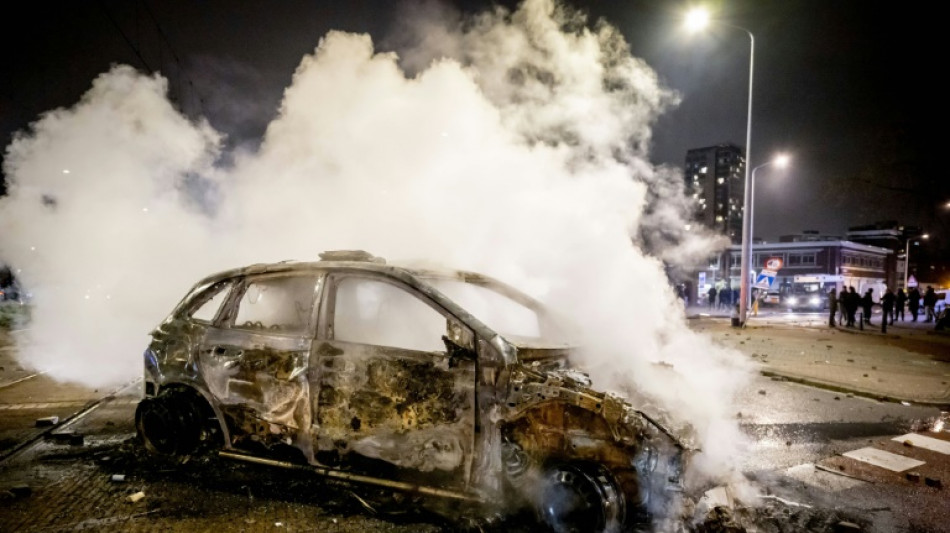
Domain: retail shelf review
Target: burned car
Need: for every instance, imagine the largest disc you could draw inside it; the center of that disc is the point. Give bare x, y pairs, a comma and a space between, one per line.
449, 386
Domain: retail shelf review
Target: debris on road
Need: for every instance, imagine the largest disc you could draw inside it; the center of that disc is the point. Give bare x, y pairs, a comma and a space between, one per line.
136, 497
47, 421
21, 491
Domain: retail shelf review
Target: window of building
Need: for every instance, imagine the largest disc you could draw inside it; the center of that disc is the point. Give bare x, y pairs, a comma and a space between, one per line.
801, 259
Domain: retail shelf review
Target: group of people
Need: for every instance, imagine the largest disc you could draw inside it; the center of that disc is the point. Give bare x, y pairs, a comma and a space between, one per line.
846, 304
721, 298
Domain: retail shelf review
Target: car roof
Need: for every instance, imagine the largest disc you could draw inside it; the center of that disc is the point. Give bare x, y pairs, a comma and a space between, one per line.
358, 260
355, 260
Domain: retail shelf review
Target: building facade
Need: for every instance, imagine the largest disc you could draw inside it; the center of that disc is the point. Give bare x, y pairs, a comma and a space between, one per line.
812, 266
714, 179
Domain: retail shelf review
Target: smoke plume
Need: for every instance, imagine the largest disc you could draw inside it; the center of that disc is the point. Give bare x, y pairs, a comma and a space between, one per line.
514, 143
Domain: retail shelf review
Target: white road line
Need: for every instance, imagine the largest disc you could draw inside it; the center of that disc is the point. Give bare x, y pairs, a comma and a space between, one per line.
888, 460
925, 442
31, 376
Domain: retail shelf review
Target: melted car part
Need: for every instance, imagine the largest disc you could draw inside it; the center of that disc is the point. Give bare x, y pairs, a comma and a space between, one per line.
350, 255
356, 478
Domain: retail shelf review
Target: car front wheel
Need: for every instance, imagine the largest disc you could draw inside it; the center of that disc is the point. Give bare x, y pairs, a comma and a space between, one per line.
173, 423
576, 498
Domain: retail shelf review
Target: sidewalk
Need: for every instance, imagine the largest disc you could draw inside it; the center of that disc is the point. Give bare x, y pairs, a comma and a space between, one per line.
910, 363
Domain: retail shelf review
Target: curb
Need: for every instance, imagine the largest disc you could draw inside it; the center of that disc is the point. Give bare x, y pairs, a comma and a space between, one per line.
835, 387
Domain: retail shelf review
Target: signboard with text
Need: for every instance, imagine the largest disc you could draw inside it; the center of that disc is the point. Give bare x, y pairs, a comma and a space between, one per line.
764, 279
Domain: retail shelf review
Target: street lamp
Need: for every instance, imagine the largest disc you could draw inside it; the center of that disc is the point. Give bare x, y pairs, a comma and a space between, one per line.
907, 255
780, 161
697, 19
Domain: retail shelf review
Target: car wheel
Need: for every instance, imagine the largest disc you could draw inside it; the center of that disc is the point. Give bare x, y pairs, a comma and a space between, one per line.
171, 423
580, 498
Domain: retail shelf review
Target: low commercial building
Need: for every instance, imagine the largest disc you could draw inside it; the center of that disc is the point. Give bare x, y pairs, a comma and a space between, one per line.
808, 267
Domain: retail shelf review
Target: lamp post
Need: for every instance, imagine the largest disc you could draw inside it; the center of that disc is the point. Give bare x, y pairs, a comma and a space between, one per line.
907, 256
780, 161
696, 19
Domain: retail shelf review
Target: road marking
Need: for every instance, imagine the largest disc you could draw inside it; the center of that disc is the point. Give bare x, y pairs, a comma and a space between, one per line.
31, 376
888, 460
927, 443
47, 405
43, 405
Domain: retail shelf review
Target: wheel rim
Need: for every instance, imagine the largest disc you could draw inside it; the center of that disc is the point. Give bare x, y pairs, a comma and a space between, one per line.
158, 426
578, 499
169, 424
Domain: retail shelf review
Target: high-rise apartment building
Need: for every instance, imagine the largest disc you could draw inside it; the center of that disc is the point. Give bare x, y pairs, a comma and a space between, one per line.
714, 179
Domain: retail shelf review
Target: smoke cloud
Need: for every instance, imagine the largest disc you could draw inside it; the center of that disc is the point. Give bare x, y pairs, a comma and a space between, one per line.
511, 143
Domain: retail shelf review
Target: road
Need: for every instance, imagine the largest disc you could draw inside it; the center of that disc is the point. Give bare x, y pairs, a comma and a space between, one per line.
808, 454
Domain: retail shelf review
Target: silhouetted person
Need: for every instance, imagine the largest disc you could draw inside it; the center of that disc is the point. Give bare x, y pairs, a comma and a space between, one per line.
852, 302
899, 304
843, 305
887, 303
913, 303
832, 307
711, 293
930, 300
867, 301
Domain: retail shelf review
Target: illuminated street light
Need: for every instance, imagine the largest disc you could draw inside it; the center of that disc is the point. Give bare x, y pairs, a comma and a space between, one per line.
916, 240
780, 161
697, 19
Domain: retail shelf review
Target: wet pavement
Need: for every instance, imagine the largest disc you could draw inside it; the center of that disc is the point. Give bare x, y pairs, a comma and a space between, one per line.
89, 472
910, 363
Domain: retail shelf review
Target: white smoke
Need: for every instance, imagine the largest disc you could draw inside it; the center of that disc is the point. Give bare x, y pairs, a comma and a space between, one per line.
518, 147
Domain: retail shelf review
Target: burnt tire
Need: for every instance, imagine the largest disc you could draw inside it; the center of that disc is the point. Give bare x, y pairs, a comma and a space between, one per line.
576, 498
173, 423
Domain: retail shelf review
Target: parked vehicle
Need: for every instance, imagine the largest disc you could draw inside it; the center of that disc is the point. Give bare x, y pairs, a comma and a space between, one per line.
805, 296
942, 310
9, 286
448, 385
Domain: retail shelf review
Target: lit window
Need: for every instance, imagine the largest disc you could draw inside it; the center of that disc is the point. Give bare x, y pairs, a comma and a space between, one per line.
703, 170
720, 181
718, 218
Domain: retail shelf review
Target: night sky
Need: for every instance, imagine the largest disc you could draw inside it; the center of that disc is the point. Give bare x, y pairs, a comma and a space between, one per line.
848, 89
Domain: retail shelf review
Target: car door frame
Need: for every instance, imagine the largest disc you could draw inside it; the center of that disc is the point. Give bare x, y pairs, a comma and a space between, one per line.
326, 345
281, 358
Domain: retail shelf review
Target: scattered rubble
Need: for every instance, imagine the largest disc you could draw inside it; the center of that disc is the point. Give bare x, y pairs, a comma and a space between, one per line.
47, 421
21, 491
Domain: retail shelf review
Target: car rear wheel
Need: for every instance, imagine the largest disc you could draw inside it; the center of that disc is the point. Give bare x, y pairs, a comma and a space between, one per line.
173, 423
578, 498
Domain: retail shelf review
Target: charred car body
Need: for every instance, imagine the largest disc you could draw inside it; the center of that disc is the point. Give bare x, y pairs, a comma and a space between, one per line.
376, 374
